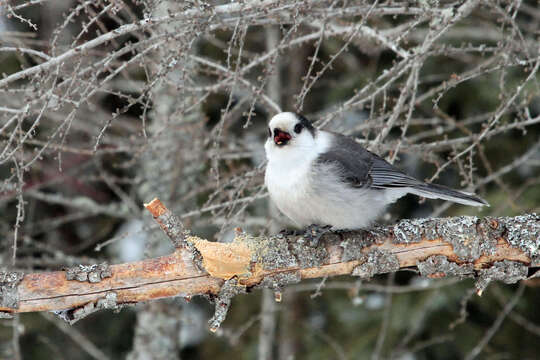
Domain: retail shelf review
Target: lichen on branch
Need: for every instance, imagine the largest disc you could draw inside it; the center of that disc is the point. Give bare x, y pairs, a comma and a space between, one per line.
487, 249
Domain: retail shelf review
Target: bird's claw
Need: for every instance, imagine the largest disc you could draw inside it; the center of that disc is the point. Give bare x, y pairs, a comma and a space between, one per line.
314, 232
288, 232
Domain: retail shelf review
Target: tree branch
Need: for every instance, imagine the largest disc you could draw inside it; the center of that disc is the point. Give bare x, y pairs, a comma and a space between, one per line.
488, 249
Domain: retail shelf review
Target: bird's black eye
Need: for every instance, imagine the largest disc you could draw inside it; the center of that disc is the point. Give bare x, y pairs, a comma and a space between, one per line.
269, 132
298, 128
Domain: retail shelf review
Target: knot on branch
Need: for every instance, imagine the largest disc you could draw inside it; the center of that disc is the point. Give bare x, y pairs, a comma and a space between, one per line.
92, 273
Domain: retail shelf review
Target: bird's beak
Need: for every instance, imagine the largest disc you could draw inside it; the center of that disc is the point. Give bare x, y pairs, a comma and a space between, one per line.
281, 137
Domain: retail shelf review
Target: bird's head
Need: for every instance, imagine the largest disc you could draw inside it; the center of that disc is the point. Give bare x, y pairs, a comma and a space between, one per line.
288, 130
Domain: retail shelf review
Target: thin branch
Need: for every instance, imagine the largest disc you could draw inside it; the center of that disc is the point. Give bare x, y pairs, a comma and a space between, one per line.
386, 321
77, 337
497, 324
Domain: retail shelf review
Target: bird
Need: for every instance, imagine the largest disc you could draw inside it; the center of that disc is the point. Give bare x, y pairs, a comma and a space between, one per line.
318, 178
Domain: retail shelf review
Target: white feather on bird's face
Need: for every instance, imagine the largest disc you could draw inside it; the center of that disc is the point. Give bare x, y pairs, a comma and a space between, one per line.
291, 138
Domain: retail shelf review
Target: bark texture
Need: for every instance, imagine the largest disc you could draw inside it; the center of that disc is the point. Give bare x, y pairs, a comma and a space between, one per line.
502, 248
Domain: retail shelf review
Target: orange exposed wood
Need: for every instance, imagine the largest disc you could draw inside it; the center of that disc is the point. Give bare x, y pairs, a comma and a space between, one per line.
224, 260
156, 207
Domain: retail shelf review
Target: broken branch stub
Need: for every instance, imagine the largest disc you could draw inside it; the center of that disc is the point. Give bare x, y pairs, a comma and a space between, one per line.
169, 223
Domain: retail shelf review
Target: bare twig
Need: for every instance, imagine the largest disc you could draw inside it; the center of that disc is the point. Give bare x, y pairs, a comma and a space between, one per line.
493, 329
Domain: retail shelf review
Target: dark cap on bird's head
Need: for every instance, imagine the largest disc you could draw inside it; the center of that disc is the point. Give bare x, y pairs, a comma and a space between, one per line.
285, 126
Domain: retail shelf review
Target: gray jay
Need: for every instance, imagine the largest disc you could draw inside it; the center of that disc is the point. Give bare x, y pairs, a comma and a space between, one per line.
324, 178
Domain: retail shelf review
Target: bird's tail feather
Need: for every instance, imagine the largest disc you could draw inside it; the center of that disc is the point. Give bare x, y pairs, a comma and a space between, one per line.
433, 191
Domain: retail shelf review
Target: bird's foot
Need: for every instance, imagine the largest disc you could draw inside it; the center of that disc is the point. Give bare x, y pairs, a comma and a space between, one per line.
314, 232
288, 232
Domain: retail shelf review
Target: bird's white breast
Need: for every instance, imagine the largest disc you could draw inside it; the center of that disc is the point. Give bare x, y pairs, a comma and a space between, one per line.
288, 173
309, 194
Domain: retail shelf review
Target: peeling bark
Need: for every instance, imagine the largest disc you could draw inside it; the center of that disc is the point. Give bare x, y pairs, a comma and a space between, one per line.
489, 249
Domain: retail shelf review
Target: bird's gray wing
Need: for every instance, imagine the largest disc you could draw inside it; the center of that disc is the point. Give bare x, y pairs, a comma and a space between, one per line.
360, 168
